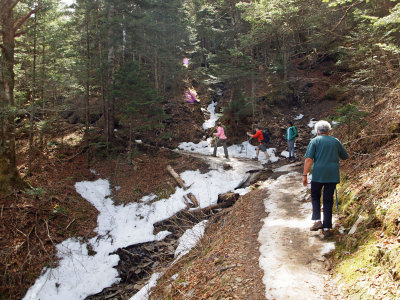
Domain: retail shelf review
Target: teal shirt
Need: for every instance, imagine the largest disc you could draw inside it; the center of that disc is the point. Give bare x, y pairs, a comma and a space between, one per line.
325, 151
290, 133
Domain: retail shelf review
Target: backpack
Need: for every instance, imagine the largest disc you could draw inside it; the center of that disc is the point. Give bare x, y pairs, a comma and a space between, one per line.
294, 129
265, 136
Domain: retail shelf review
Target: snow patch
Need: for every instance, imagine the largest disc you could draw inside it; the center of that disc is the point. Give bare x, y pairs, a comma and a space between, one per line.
243, 150
210, 123
189, 239
86, 268
145, 292
311, 125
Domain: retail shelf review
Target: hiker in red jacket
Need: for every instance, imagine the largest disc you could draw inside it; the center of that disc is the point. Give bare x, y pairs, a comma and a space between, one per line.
262, 146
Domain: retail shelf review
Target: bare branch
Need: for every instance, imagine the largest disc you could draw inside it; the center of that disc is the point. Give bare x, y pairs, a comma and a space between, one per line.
17, 34
344, 15
23, 20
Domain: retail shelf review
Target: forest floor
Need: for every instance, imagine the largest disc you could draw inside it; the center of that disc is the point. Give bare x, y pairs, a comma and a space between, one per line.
261, 248
225, 264
30, 231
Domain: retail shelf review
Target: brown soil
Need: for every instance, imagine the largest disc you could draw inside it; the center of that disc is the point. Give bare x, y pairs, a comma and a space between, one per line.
225, 263
33, 221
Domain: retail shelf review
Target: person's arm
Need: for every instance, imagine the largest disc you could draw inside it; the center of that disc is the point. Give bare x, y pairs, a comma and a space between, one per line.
342, 152
218, 133
257, 134
307, 165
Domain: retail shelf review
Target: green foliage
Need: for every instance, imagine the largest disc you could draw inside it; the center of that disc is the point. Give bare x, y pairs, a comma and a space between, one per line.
134, 93
350, 116
58, 209
238, 110
166, 136
34, 191
349, 113
134, 152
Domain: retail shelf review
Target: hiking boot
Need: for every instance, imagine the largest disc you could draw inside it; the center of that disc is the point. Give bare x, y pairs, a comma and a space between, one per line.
316, 226
255, 159
267, 164
327, 233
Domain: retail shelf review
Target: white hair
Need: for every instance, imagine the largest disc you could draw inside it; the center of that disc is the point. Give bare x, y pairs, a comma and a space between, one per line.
322, 127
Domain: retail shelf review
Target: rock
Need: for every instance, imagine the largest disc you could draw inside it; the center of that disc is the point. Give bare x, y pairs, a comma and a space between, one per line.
227, 166
229, 198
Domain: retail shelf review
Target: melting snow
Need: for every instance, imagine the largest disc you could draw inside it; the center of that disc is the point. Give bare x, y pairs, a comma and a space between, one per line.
82, 272
210, 123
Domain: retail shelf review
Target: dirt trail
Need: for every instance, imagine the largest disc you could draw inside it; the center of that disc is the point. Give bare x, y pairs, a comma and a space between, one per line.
291, 255
267, 251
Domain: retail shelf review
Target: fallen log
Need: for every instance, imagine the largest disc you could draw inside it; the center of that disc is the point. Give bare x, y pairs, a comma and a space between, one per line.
182, 185
186, 219
176, 177
193, 199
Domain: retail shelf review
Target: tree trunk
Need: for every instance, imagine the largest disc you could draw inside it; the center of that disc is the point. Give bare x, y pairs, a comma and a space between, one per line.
8, 169
32, 98
87, 88
9, 25
110, 77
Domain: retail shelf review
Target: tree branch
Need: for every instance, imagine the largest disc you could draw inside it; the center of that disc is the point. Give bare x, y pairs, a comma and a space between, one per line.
344, 15
23, 20
17, 34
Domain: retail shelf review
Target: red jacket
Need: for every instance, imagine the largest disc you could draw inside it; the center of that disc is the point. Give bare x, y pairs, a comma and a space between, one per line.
258, 135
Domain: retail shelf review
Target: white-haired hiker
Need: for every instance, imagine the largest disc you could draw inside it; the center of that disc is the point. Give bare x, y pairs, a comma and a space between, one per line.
323, 152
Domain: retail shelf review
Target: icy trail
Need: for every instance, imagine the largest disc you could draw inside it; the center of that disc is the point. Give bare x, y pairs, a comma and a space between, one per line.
292, 257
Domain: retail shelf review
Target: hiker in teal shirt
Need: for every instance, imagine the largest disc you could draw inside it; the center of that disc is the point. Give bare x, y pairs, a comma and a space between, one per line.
323, 152
291, 134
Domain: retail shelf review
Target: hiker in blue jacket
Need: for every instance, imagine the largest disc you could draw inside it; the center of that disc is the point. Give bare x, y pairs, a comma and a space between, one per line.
291, 134
323, 152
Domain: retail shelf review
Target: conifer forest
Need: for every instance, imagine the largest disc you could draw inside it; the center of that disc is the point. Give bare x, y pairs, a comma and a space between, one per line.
130, 91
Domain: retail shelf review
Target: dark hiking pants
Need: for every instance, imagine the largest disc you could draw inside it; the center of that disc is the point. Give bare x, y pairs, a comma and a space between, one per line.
329, 189
218, 143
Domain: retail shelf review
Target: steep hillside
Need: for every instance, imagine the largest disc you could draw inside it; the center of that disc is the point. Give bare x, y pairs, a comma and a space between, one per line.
368, 260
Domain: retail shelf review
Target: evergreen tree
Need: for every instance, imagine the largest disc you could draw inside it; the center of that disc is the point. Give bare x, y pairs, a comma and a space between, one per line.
11, 24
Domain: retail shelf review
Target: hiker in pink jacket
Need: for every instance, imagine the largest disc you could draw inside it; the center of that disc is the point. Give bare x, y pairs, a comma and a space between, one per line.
220, 134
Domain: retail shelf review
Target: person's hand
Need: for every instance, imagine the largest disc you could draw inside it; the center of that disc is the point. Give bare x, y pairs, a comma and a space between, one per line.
305, 181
